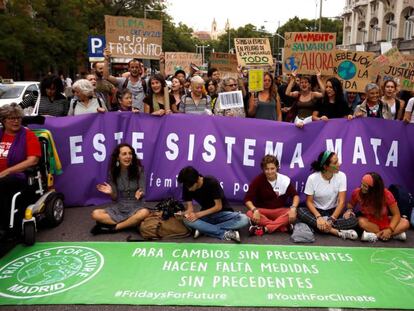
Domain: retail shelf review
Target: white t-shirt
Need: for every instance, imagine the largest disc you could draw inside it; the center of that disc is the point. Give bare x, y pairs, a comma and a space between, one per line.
325, 192
409, 108
281, 184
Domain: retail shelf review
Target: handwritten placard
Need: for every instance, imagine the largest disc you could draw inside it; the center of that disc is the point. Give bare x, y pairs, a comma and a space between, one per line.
181, 60
226, 63
401, 75
309, 52
133, 37
256, 80
253, 52
354, 69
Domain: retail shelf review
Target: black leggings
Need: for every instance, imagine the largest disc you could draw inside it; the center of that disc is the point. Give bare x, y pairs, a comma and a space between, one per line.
9, 186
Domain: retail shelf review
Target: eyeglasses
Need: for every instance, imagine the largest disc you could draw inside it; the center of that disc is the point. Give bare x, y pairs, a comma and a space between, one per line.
14, 118
232, 85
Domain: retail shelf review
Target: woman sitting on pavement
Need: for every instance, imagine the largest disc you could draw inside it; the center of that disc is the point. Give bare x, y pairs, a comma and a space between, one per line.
159, 102
125, 101
389, 90
229, 85
265, 104
325, 199
127, 189
85, 100
267, 198
372, 106
376, 204
333, 105
306, 99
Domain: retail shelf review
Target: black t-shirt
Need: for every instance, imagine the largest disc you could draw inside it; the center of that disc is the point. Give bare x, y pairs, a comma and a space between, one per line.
205, 196
333, 111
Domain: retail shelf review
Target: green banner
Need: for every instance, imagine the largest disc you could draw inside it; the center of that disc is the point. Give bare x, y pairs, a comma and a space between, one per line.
207, 274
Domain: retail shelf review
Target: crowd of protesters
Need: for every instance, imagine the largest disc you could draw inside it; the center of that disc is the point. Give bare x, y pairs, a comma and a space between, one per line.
299, 99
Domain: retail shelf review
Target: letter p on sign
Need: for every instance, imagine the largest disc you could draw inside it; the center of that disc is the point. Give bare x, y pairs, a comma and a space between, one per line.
96, 45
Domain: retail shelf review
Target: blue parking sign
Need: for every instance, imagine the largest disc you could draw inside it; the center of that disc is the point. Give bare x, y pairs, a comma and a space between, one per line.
96, 45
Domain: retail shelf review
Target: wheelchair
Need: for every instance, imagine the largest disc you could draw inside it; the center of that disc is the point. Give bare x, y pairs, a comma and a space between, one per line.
48, 206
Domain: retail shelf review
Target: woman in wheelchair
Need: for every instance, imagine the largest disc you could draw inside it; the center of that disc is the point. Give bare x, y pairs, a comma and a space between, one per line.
127, 188
19, 150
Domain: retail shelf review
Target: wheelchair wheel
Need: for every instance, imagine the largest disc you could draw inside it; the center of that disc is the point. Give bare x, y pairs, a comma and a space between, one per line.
29, 233
54, 210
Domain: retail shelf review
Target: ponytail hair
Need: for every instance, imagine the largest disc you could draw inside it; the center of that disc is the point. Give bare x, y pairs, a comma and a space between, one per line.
324, 158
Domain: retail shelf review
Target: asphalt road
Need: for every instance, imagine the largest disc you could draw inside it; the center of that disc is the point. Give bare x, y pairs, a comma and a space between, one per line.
78, 222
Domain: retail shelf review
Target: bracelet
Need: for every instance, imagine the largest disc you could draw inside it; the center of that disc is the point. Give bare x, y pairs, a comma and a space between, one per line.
392, 230
318, 216
253, 210
293, 207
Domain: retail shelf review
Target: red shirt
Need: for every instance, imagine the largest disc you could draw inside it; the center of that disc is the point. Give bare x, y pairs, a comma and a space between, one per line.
32, 147
367, 209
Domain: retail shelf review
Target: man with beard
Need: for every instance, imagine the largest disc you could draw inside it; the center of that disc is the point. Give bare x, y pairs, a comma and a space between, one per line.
103, 86
134, 82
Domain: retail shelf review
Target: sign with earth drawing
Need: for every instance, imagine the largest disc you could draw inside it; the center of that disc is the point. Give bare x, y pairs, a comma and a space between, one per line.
354, 69
309, 52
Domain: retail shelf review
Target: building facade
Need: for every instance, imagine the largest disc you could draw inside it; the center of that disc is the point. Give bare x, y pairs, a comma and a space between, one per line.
367, 23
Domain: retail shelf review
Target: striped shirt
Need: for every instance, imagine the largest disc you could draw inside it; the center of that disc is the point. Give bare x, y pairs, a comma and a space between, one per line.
188, 105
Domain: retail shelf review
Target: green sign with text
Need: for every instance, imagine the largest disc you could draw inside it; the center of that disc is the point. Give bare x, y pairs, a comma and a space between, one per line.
150, 273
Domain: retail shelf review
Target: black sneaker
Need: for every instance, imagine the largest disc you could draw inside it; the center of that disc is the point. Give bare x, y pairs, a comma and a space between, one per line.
102, 229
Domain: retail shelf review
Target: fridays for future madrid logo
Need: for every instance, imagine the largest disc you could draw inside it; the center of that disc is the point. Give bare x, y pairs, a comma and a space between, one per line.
49, 271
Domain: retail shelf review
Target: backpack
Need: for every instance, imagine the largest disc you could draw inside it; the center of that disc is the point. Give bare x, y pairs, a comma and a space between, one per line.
405, 200
154, 227
144, 84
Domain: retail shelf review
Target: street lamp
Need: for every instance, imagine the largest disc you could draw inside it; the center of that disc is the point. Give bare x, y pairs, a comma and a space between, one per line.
201, 48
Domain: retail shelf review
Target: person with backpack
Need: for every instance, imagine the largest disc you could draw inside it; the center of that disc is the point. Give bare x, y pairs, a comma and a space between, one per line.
215, 218
376, 204
372, 106
85, 100
134, 81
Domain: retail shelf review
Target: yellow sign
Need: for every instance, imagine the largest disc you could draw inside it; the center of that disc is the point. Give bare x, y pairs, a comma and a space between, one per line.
256, 80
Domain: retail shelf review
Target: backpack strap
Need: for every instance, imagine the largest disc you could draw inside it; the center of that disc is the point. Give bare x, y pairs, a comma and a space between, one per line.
74, 105
99, 101
144, 85
125, 84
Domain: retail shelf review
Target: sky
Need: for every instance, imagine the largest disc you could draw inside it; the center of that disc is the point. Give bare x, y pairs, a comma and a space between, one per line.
199, 14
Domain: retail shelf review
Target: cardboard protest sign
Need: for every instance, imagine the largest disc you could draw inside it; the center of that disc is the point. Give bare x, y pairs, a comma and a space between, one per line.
253, 51
226, 63
309, 52
256, 80
354, 69
408, 61
394, 56
400, 75
133, 37
180, 60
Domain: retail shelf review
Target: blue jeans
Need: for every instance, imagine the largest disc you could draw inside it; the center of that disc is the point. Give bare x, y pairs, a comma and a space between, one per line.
216, 224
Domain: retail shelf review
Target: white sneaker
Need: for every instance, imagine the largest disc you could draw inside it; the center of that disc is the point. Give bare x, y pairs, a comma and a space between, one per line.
369, 237
196, 234
401, 236
232, 236
348, 234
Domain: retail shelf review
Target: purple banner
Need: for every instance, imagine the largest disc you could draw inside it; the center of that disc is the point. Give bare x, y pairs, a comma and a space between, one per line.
228, 148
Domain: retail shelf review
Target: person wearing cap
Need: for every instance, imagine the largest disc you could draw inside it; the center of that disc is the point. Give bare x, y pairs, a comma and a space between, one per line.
325, 191
196, 102
376, 203
372, 106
